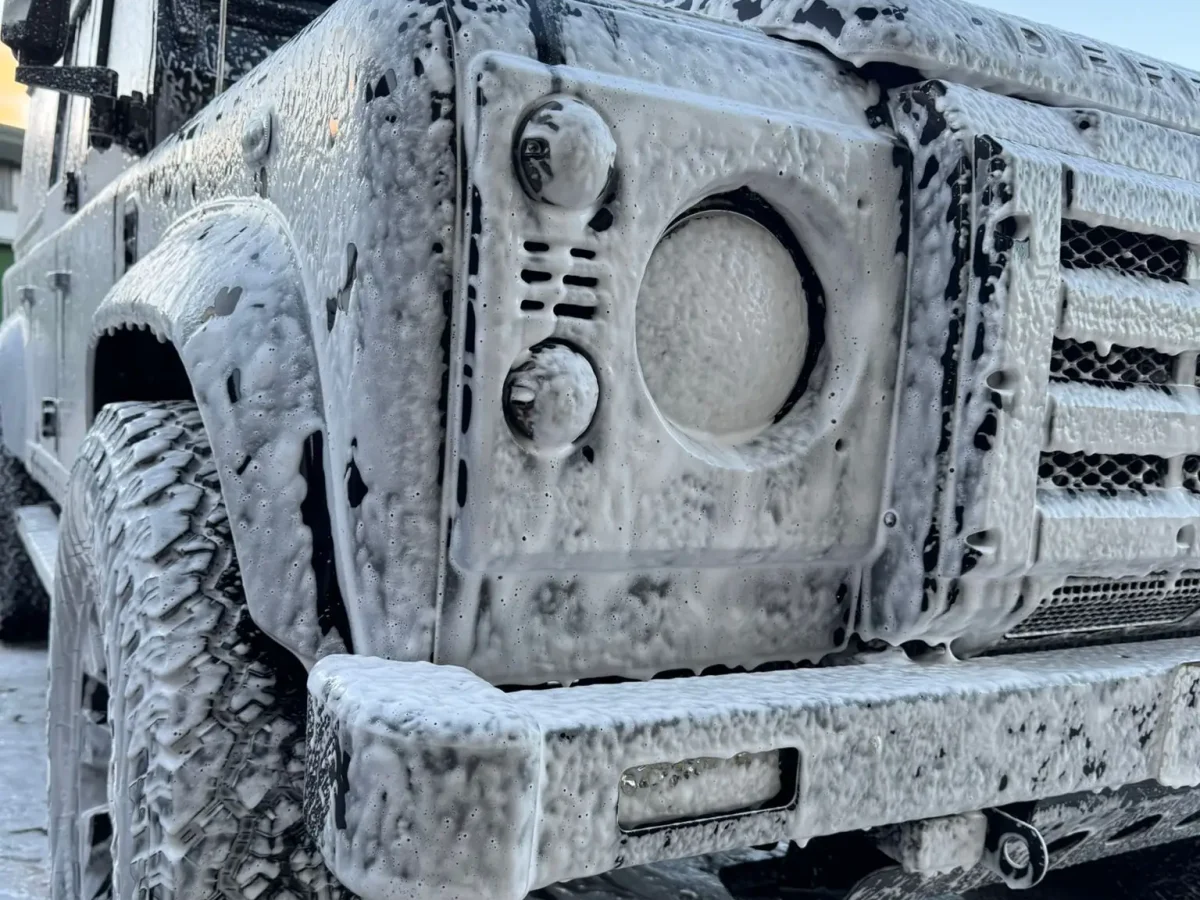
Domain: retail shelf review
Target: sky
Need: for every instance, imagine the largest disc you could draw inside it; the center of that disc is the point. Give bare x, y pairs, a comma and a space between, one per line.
1167, 29
14, 103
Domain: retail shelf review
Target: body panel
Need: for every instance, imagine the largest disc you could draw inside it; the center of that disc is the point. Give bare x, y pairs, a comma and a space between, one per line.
377, 125
982, 48
364, 183
704, 553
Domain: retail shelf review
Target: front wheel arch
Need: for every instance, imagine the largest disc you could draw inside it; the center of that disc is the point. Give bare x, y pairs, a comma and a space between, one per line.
131, 364
224, 288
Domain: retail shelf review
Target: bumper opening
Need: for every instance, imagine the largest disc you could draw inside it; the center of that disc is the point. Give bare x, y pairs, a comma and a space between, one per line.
662, 795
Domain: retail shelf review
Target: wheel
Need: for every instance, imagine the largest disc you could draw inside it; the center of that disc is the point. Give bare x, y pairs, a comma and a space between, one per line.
24, 606
176, 727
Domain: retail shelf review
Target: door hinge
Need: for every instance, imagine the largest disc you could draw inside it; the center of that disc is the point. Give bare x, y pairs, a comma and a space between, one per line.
113, 119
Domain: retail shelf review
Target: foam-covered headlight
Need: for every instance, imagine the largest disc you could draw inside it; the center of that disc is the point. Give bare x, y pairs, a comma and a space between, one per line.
722, 325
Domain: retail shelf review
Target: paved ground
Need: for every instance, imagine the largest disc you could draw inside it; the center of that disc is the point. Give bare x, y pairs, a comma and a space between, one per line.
22, 774
1171, 873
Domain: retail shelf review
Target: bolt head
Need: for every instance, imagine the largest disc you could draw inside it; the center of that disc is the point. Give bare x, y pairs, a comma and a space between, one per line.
256, 137
889, 519
565, 154
550, 396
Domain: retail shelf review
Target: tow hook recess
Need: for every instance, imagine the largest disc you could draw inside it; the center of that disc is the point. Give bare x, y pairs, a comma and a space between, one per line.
1014, 850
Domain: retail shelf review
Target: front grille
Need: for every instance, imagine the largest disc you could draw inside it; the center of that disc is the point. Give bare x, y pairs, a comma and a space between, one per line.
1108, 472
1100, 247
1072, 360
1084, 605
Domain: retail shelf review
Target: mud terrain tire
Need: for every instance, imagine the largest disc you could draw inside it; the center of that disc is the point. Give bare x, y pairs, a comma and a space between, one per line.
176, 727
24, 606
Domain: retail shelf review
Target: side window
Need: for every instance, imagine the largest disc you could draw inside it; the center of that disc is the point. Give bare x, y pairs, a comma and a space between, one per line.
88, 44
8, 188
64, 100
127, 44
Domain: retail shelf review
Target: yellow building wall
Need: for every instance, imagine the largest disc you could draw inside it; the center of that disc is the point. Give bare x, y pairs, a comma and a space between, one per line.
14, 102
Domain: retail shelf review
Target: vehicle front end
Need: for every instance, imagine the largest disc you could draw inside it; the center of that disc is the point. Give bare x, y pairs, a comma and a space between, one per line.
665, 431
760, 364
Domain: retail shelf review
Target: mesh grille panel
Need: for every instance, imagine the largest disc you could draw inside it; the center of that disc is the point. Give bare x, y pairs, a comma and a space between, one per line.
1098, 604
1191, 473
1102, 471
1101, 247
1072, 360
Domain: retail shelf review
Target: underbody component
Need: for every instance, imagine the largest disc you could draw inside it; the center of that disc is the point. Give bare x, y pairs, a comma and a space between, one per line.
1015, 850
1078, 828
407, 760
936, 846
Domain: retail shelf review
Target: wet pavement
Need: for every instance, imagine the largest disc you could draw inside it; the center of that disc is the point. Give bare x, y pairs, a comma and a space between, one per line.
23, 774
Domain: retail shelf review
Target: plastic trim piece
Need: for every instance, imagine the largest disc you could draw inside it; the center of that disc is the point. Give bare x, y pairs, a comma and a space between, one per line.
37, 527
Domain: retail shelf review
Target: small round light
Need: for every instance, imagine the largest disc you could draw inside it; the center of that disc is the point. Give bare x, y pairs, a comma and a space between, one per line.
722, 325
565, 154
550, 396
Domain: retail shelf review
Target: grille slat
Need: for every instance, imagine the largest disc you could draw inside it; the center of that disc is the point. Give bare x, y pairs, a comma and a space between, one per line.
1072, 360
1084, 605
1101, 247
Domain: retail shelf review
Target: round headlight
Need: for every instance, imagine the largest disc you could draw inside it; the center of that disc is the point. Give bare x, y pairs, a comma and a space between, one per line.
722, 325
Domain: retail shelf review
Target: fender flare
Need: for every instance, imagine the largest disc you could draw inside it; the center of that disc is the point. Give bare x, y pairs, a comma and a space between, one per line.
13, 415
225, 287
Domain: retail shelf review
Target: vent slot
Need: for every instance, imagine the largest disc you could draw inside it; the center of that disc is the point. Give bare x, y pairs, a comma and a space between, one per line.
584, 281
1097, 604
1072, 360
534, 276
1100, 247
575, 311
532, 305
1102, 472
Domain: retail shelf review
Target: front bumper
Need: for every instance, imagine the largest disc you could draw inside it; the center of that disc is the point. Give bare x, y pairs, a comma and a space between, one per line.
425, 782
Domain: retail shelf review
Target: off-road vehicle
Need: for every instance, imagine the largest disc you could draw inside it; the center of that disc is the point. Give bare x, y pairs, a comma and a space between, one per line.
495, 442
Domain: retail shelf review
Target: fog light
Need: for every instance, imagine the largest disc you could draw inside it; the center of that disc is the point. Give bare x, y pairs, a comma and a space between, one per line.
704, 787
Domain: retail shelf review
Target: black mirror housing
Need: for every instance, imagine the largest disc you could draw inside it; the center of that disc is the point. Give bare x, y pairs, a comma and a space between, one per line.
36, 30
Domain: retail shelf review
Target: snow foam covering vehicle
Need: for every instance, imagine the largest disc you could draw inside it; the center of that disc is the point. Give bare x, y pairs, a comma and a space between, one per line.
539, 345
